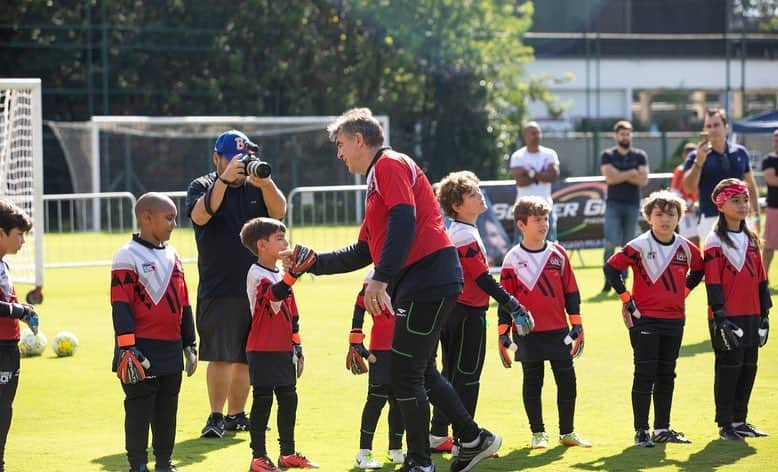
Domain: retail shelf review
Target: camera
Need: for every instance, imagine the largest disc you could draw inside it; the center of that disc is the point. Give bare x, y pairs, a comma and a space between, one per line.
254, 165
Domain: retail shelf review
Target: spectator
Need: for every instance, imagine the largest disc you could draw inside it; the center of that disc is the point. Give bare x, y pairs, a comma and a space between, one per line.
687, 227
625, 170
219, 203
770, 174
535, 168
713, 161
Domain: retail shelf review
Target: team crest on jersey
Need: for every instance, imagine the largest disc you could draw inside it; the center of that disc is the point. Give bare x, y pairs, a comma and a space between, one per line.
555, 261
529, 265
148, 267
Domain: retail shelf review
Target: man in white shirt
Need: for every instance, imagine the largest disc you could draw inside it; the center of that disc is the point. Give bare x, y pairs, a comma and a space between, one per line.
535, 168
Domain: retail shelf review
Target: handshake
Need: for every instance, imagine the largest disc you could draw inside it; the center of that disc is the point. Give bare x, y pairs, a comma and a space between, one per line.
297, 262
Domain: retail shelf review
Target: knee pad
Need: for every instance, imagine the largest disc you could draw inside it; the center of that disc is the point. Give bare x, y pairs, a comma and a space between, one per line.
564, 374
645, 376
533, 379
377, 394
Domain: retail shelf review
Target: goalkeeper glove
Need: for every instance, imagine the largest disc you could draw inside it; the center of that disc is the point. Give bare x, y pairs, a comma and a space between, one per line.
575, 338
298, 359
764, 330
726, 334
190, 360
504, 344
357, 353
132, 365
522, 318
24, 313
629, 311
303, 258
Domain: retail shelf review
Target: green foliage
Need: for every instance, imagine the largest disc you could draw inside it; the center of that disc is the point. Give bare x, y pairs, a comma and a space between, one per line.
448, 72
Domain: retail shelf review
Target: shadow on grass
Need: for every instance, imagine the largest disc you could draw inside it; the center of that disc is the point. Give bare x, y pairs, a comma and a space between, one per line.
718, 453
602, 296
520, 459
188, 452
702, 347
632, 458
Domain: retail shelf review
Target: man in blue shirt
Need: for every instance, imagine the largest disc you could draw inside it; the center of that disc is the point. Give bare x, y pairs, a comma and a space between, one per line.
714, 160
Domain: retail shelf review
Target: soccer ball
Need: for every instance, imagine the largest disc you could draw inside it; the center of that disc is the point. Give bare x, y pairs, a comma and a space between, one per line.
31, 344
64, 344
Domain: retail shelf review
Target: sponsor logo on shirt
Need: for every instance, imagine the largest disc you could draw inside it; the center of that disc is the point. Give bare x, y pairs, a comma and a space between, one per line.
148, 267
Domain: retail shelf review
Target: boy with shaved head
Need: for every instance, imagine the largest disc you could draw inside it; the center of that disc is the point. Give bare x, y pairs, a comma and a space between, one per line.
153, 322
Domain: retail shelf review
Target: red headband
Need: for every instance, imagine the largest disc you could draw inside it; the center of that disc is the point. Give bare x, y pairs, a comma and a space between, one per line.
729, 192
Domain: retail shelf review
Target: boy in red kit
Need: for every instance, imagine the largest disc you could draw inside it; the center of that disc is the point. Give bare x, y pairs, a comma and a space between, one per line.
739, 303
273, 349
153, 323
379, 383
463, 334
666, 267
539, 274
14, 222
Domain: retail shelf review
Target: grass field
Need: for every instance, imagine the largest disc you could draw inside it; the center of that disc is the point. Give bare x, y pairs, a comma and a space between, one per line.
68, 412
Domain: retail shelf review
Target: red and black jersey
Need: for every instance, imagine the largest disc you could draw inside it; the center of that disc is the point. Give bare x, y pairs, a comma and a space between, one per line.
149, 298
734, 275
382, 331
9, 327
472, 256
543, 281
273, 321
660, 271
395, 179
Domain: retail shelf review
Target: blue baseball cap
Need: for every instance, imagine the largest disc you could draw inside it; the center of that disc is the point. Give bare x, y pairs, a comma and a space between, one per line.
231, 143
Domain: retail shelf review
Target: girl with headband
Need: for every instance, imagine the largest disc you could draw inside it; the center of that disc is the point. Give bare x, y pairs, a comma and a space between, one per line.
739, 304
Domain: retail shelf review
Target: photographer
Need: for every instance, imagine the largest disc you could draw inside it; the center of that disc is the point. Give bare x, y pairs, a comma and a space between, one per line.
219, 203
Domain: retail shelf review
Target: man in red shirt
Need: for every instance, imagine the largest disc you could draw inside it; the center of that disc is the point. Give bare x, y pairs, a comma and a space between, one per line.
417, 275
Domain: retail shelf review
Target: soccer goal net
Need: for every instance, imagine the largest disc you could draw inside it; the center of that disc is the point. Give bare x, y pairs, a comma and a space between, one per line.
21, 170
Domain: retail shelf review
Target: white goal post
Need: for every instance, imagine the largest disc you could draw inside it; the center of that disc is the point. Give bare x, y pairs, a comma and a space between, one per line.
21, 171
187, 127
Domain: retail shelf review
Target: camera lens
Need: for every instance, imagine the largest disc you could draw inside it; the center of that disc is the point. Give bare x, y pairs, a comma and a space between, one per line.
258, 168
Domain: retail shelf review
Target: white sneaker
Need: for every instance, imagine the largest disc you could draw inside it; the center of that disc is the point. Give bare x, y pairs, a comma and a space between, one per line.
395, 456
539, 440
365, 460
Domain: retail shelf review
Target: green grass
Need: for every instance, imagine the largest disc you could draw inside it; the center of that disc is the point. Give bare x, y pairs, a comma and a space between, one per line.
68, 412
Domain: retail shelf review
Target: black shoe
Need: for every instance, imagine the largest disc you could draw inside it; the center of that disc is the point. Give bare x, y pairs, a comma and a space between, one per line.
165, 468
410, 465
214, 427
643, 439
728, 433
749, 431
239, 422
468, 457
670, 436
606, 288
141, 468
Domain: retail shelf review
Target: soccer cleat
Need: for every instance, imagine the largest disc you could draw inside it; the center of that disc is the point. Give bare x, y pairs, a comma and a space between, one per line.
214, 426
365, 460
441, 443
747, 430
162, 467
488, 444
643, 439
670, 436
239, 422
296, 461
573, 439
263, 464
396, 456
539, 440
411, 466
728, 433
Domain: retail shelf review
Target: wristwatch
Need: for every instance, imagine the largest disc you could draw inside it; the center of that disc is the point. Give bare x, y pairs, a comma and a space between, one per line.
531, 174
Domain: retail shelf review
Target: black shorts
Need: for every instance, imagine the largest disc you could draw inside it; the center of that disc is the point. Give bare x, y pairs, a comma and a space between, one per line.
543, 346
380, 372
271, 369
223, 326
9, 372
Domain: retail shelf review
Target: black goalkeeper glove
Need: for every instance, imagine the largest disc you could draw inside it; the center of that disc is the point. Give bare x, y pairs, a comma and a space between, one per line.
764, 330
726, 334
24, 313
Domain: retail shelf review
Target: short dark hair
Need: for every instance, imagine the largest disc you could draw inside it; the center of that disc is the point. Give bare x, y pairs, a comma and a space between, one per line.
453, 188
664, 200
11, 216
358, 120
259, 228
622, 124
720, 112
530, 206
